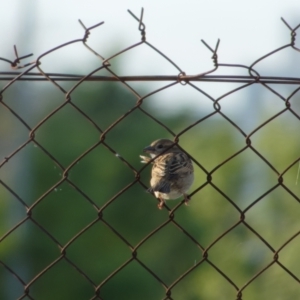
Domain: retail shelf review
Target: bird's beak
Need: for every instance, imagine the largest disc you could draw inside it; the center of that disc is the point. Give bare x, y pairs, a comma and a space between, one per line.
148, 149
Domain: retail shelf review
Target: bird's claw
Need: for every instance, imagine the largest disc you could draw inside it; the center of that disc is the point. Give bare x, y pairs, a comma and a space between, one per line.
187, 200
160, 205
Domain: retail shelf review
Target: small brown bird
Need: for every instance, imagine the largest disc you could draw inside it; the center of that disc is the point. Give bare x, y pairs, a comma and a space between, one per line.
172, 172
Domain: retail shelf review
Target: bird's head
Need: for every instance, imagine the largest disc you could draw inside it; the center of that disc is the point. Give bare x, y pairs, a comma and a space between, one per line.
160, 146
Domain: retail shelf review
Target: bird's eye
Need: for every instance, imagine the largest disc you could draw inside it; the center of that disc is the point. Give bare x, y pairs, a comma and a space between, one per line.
159, 146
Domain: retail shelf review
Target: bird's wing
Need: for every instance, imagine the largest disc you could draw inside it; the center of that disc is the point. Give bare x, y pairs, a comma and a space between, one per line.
168, 168
161, 186
179, 165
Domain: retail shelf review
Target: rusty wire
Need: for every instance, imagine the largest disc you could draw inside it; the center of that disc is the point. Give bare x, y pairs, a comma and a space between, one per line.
254, 78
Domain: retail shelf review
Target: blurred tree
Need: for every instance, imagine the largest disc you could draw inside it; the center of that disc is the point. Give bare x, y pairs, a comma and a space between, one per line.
66, 202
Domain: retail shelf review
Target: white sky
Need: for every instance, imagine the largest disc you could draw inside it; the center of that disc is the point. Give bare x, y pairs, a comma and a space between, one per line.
247, 29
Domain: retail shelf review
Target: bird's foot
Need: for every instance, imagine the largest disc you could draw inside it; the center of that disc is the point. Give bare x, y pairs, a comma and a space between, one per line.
187, 198
160, 205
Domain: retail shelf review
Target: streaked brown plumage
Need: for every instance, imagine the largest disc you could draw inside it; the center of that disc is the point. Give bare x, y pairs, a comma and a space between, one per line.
172, 172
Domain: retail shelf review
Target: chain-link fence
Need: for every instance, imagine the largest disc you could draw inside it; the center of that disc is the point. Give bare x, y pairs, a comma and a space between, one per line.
76, 222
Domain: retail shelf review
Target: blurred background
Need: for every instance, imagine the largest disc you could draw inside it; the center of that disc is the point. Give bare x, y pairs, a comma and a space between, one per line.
63, 208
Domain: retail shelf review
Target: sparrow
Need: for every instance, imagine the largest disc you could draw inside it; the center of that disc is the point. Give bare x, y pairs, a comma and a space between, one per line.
172, 171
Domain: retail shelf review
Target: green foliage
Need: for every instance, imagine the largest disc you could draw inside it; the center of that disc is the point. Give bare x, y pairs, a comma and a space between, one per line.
66, 201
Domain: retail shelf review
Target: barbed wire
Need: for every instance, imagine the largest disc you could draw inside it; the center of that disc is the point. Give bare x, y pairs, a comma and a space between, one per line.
254, 78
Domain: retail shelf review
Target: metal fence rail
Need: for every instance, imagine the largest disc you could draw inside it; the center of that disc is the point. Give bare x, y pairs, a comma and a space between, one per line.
20, 210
